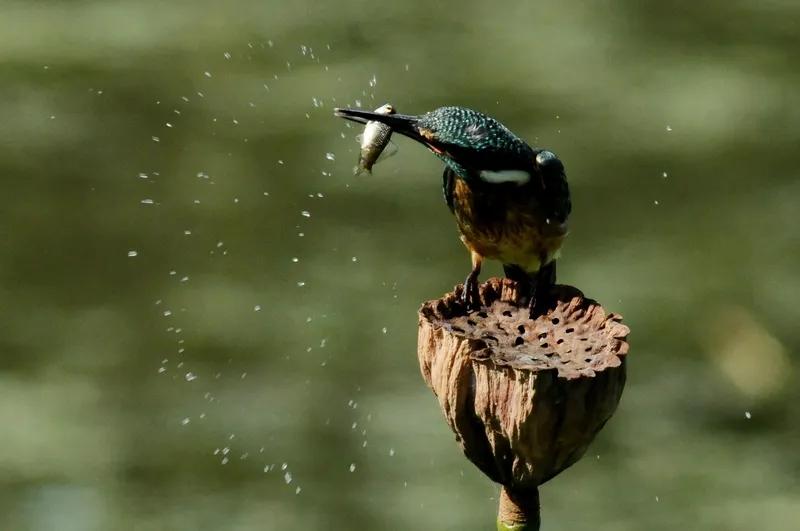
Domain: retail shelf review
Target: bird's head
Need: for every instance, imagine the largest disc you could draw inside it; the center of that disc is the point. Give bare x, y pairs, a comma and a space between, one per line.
472, 144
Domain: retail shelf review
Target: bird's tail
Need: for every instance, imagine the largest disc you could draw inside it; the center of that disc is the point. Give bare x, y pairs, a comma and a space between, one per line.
519, 275
544, 278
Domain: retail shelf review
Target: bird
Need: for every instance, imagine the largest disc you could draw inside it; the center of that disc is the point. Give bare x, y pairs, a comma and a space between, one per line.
511, 201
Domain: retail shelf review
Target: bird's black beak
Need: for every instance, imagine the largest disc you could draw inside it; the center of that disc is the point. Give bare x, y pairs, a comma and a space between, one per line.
403, 124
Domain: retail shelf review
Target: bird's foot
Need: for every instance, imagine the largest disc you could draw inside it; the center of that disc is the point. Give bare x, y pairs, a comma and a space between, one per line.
535, 309
470, 296
541, 290
539, 302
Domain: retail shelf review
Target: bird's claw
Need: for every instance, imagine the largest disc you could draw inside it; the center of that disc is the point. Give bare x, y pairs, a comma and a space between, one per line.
535, 309
470, 296
541, 291
538, 303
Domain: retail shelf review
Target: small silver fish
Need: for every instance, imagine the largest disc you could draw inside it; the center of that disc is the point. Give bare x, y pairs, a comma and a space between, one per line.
374, 140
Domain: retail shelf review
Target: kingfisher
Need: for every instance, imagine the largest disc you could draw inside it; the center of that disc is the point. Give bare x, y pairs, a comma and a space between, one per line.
511, 201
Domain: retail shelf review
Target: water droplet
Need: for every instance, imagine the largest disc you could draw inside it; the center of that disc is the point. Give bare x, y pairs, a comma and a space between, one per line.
354, 259
257, 308
287, 477
664, 175
132, 254
391, 452
226, 55
352, 467
305, 214
295, 259
155, 139
300, 284
330, 156
169, 125
190, 376
669, 129
185, 421
207, 74
297, 490
747, 415
384, 329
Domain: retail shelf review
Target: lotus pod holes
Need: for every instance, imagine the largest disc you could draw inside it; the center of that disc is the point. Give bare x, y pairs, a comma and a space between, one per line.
524, 397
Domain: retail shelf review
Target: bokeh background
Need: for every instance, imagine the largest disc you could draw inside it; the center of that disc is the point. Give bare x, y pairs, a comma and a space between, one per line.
209, 323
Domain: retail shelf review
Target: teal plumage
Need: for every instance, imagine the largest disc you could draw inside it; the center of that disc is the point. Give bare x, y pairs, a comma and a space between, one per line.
469, 135
511, 201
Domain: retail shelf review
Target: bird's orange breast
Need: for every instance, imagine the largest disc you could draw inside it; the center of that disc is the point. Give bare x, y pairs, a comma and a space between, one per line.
506, 223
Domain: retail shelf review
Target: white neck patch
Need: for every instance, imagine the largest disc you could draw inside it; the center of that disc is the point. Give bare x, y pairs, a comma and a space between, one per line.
505, 176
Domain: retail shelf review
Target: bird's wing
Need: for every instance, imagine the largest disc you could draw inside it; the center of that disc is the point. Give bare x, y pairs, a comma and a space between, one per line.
448, 184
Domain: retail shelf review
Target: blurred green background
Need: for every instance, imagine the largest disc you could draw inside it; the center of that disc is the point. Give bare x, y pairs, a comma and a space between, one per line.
253, 367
